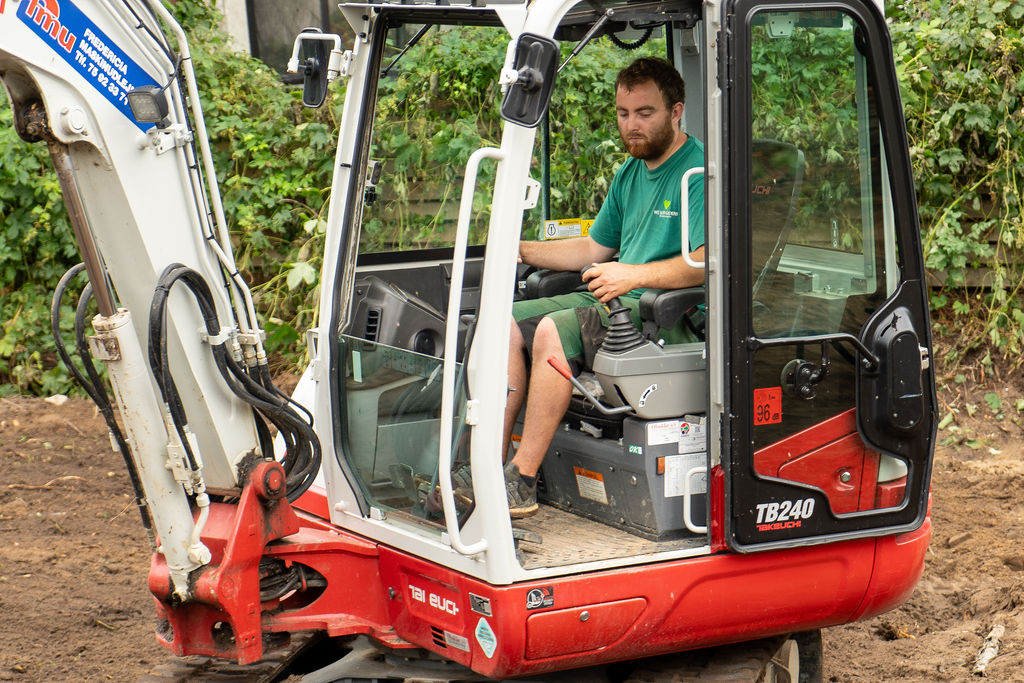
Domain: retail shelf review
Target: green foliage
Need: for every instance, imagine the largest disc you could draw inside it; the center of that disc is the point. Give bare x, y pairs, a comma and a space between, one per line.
995, 403
36, 247
963, 88
274, 159
959, 65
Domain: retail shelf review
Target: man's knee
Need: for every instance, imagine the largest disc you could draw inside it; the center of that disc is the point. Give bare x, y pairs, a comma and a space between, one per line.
546, 339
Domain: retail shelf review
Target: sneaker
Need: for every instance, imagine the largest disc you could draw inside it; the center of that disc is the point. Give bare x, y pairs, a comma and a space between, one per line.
522, 499
462, 478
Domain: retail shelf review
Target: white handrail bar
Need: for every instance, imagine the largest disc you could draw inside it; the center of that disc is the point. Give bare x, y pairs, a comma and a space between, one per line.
451, 342
684, 213
687, 517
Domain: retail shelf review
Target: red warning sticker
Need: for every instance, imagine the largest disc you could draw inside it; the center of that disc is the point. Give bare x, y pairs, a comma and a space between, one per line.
767, 406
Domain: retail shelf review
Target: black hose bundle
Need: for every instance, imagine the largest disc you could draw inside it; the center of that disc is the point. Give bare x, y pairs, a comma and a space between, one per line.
277, 580
301, 461
92, 383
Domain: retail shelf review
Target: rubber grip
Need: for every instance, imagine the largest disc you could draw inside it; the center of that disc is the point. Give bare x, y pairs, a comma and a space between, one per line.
561, 369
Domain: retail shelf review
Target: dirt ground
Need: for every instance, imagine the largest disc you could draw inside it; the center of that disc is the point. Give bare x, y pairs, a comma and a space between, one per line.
74, 605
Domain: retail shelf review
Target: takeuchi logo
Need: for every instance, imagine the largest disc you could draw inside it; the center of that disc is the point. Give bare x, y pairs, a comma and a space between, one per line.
46, 15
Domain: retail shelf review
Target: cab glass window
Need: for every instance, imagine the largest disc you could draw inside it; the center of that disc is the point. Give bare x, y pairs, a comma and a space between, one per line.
578, 149
823, 251
435, 107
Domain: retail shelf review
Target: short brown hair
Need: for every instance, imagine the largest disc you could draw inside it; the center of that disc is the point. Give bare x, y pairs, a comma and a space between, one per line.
658, 70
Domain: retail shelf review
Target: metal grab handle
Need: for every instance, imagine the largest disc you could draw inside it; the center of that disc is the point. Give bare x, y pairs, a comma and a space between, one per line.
451, 335
687, 518
593, 400
684, 212
870, 360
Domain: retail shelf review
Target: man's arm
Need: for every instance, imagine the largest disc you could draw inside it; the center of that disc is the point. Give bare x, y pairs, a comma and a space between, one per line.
565, 254
610, 279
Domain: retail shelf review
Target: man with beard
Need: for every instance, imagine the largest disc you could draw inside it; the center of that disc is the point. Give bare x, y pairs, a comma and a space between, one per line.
639, 220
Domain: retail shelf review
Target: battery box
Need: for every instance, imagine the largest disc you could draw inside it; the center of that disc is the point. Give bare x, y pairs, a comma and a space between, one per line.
635, 483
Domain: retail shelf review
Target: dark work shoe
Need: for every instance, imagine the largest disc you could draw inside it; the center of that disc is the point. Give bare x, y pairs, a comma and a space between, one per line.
522, 498
462, 478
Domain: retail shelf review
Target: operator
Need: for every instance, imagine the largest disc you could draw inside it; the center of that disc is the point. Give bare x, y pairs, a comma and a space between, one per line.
639, 220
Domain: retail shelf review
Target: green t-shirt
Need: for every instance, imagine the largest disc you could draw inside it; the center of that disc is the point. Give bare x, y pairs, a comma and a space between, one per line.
641, 216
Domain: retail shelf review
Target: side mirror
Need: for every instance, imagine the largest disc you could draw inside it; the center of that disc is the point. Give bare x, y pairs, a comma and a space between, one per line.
313, 62
530, 81
318, 64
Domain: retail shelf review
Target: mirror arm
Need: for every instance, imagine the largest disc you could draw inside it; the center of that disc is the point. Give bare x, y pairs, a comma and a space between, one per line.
334, 63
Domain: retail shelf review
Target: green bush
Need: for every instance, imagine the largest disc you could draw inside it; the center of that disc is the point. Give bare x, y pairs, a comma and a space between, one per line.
963, 82
959, 66
36, 247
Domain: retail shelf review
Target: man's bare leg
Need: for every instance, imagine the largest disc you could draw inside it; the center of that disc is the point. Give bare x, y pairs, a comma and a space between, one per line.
549, 398
516, 384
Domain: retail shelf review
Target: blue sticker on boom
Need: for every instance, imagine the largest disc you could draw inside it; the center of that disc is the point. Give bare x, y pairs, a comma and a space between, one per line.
74, 37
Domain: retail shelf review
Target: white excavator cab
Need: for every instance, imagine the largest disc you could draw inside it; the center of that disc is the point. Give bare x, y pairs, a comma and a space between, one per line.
805, 270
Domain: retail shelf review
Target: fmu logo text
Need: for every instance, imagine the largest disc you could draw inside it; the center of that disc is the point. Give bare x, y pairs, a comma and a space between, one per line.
46, 15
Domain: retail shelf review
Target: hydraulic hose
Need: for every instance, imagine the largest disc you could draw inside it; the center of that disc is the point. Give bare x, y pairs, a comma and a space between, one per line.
93, 385
301, 460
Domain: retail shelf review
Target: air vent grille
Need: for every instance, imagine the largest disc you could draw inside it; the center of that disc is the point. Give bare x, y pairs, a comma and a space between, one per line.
372, 324
438, 635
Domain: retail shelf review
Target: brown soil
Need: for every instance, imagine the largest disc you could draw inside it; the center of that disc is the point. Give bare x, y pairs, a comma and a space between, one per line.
74, 558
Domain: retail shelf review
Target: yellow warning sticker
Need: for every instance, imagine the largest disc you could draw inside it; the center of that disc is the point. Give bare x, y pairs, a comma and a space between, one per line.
565, 228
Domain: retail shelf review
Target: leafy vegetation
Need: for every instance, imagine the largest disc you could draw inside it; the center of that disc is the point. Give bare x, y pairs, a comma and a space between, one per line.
963, 89
959, 65
274, 159
439, 106
36, 247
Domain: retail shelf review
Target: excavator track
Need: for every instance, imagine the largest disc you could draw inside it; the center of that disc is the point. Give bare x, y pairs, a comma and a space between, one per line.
751, 662
202, 668
762, 661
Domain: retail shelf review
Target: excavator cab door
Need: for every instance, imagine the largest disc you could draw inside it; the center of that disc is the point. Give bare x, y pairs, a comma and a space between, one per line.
828, 422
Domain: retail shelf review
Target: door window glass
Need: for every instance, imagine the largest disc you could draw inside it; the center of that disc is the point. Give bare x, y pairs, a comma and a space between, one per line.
823, 252
435, 106
392, 424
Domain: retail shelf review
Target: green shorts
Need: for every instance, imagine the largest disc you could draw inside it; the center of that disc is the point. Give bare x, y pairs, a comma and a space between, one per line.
582, 322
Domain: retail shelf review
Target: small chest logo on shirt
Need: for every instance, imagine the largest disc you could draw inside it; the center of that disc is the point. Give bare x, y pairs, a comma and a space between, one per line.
666, 212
